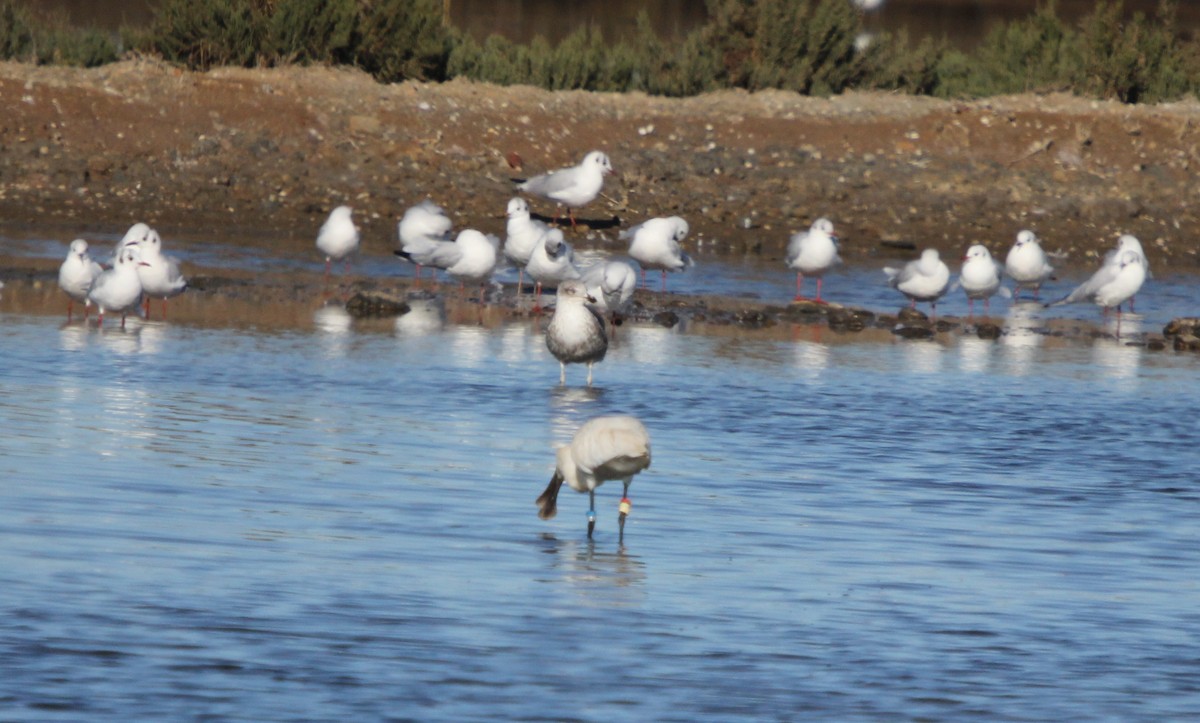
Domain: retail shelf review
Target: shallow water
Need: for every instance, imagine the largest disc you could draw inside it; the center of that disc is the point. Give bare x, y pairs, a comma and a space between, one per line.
339, 524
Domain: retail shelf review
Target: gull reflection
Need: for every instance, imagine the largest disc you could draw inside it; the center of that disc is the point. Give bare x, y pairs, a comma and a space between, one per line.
596, 578
974, 354
521, 342
569, 408
426, 315
811, 358
923, 356
334, 323
124, 341
468, 345
1115, 359
653, 344
73, 337
1021, 338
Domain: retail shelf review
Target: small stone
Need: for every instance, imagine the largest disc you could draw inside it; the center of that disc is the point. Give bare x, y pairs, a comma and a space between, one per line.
666, 318
376, 304
987, 330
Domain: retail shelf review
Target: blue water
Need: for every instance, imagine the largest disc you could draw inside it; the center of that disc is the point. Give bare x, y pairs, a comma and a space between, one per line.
339, 524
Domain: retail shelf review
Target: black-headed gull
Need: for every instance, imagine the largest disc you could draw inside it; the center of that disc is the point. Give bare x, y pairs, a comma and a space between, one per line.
477, 256
551, 262
654, 244
338, 237
611, 283
118, 289
136, 234
980, 277
925, 279
1129, 242
604, 448
76, 274
523, 234
575, 334
1113, 284
159, 273
1026, 264
571, 187
812, 253
424, 231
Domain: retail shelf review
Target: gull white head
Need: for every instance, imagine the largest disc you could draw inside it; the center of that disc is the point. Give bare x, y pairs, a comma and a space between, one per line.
978, 251
518, 208
598, 160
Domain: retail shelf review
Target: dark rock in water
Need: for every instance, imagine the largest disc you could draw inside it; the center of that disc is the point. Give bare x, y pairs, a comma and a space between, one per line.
848, 320
913, 332
1155, 344
666, 318
376, 304
1182, 327
753, 319
987, 330
1183, 343
943, 325
909, 315
804, 310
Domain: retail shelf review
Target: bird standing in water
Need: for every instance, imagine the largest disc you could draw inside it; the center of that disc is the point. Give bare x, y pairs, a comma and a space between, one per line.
604, 448
338, 238
575, 334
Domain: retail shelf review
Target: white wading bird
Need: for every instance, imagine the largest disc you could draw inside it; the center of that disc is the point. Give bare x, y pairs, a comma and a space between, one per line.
575, 334
338, 238
76, 274
812, 253
925, 279
571, 187
603, 449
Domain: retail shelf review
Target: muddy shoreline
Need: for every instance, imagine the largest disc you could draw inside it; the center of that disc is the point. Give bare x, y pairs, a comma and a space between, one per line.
259, 157
263, 155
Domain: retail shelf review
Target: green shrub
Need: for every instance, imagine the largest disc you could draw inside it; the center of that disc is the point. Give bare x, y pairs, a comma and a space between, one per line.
404, 39
1038, 53
16, 31
311, 31
34, 38
206, 33
1138, 61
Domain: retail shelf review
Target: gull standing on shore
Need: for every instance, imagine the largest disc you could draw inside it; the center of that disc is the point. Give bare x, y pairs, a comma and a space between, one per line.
424, 233
551, 262
980, 278
76, 275
119, 289
476, 259
1026, 264
523, 234
1129, 242
159, 273
136, 234
572, 187
925, 279
654, 244
1112, 285
575, 334
812, 253
338, 238
604, 448
612, 284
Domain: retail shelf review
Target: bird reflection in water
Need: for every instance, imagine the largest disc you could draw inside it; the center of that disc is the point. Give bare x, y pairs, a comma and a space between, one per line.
598, 578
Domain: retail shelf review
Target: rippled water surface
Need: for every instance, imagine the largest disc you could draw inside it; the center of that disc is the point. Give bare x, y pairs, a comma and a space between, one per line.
338, 524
